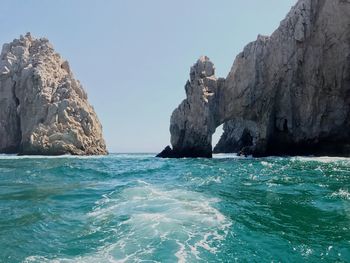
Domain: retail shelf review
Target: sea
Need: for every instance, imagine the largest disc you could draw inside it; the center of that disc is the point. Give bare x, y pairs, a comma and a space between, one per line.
138, 208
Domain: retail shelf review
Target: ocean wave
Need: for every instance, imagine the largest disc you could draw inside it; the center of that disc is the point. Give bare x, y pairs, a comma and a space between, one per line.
18, 157
323, 159
342, 193
112, 155
229, 156
266, 164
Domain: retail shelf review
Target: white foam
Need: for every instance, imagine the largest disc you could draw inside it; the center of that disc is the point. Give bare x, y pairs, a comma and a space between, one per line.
184, 217
133, 155
19, 157
342, 193
323, 159
227, 156
67, 156
267, 164
200, 181
181, 254
153, 217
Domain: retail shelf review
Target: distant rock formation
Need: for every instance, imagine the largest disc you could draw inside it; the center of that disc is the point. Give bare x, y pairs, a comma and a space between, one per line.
286, 94
43, 109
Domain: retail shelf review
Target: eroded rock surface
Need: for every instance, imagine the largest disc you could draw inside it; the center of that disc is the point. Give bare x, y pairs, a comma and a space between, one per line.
43, 108
285, 94
194, 121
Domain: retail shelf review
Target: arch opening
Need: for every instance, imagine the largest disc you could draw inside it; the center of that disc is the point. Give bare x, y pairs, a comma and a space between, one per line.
219, 131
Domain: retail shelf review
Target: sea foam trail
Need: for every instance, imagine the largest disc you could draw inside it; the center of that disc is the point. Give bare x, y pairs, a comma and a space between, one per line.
184, 221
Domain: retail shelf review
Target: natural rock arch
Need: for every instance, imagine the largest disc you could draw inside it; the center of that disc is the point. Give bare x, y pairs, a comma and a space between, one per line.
290, 92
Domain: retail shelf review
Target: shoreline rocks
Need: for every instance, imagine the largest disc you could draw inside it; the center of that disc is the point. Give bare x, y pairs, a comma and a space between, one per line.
44, 109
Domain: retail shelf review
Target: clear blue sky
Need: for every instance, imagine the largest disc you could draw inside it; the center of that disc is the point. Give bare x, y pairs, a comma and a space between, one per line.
133, 57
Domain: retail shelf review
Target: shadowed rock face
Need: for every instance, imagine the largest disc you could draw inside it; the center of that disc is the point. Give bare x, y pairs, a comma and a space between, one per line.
237, 137
285, 94
195, 120
43, 109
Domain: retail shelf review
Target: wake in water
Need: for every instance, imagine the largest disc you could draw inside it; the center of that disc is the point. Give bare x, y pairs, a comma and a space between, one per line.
177, 225
184, 220
137, 208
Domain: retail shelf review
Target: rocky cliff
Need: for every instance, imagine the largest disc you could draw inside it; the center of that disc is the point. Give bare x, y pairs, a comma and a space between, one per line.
285, 94
44, 109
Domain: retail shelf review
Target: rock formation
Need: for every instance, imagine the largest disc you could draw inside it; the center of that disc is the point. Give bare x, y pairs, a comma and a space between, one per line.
43, 109
285, 94
193, 122
236, 137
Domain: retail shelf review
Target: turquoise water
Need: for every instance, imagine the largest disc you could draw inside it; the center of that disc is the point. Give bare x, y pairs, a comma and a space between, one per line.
136, 208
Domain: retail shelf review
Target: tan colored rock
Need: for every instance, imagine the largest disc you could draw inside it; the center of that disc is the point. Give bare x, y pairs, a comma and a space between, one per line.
44, 109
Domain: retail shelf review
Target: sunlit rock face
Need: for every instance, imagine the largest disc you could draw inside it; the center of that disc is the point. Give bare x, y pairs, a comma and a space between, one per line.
285, 94
44, 109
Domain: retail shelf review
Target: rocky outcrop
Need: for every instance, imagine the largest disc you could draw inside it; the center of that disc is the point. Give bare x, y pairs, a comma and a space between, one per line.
285, 94
44, 109
194, 121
